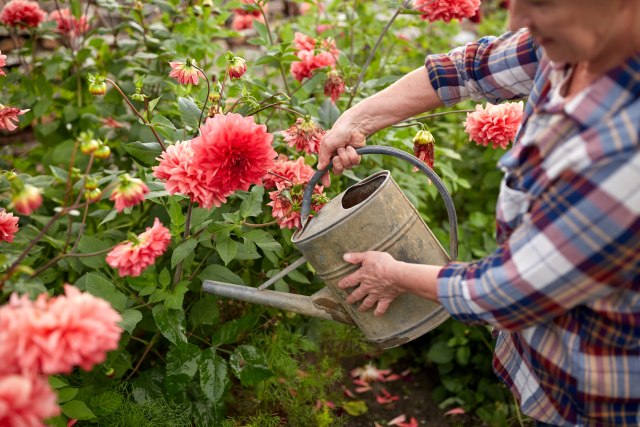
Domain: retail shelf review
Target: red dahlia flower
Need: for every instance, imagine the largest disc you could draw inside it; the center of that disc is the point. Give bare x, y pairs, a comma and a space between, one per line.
446, 10
22, 14
8, 226
305, 135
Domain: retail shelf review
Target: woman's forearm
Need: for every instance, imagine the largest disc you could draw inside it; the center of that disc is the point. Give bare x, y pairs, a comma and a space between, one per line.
417, 279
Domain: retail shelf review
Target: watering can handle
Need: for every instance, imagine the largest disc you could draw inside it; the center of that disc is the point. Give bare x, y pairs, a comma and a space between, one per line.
444, 193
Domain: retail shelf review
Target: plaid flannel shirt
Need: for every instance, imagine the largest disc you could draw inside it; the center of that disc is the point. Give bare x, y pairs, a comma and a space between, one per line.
563, 286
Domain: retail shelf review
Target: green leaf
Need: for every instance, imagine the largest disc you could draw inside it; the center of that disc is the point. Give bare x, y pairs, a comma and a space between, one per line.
249, 365
182, 365
263, 239
144, 153
462, 355
175, 213
440, 353
130, 319
57, 382
170, 323
102, 288
175, 299
153, 103
252, 204
189, 112
106, 403
220, 273
89, 244
205, 311
355, 408
183, 250
234, 330
66, 394
214, 380
328, 113
227, 248
78, 410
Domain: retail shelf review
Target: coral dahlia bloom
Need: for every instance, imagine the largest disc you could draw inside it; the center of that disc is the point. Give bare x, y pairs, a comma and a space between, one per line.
287, 171
8, 226
26, 401
497, 124
69, 24
312, 55
446, 10
181, 176
334, 86
27, 200
9, 117
243, 19
184, 72
302, 41
3, 62
233, 152
305, 135
133, 257
129, 192
22, 14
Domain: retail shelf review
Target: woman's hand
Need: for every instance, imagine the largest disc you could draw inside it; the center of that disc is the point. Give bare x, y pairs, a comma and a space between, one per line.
375, 279
340, 143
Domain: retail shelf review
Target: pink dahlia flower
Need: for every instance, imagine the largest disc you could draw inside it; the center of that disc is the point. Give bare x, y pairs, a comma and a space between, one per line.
185, 73
9, 117
181, 176
129, 192
27, 200
243, 19
446, 10
131, 258
497, 124
26, 401
8, 226
22, 14
305, 135
233, 152
334, 85
52, 335
3, 62
312, 55
286, 202
69, 24
303, 42
287, 171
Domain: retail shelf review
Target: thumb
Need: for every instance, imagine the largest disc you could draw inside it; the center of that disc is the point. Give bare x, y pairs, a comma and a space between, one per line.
354, 257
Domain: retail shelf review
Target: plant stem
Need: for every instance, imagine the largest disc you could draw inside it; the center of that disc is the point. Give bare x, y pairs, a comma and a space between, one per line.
187, 224
266, 24
135, 110
147, 349
415, 120
206, 98
266, 224
354, 90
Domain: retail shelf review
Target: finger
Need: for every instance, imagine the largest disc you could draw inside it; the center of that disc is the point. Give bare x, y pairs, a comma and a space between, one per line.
354, 158
325, 153
344, 158
356, 295
349, 281
326, 180
354, 257
337, 166
382, 307
368, 303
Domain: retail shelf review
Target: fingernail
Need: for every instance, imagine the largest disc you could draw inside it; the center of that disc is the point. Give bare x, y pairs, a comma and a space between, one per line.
346, 257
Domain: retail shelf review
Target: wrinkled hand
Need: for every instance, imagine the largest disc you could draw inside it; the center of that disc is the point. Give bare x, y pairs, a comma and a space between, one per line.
376, 285
340, 143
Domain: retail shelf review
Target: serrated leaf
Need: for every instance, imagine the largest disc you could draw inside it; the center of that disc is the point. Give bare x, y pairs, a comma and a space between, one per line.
214, 379
144, 153
78, 410
102, 288
205, 311
233, 330
170, 323
183, 250
130, 319
252, 204
264, 240
227, 248
106, 403
153, 103
189, 112
176, 298
182, 365
220, 273
89, 244
249, 365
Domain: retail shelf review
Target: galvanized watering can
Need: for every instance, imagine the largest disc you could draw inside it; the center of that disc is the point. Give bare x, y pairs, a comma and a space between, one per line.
372, 215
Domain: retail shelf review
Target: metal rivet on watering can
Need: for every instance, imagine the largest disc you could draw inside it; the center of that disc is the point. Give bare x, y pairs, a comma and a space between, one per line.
372, 215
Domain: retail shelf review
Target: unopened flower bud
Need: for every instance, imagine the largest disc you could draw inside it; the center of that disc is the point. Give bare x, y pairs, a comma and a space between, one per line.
88, 146
236, 66
98, 86
103, 152
26, 200
90, 183
110, 373
138, 97
424, 137
424, 148
93, 195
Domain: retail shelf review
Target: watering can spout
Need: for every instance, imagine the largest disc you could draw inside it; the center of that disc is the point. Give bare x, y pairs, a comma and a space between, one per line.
321, 304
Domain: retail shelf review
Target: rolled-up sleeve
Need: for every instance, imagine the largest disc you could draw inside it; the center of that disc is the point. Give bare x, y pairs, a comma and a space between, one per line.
493, 68
579, 241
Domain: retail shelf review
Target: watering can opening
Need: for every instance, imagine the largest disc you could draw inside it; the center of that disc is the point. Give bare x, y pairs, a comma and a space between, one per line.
360, 192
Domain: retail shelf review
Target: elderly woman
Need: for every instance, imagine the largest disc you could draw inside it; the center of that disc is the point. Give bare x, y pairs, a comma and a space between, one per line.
563, 287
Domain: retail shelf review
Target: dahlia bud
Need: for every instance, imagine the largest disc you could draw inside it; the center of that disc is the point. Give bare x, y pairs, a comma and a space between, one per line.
98, 85
90, 183
103, 152
88, 146
334, 86
423, 148
92, 195
110, 373
27, 199
138, 97
236, 66
129, 192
